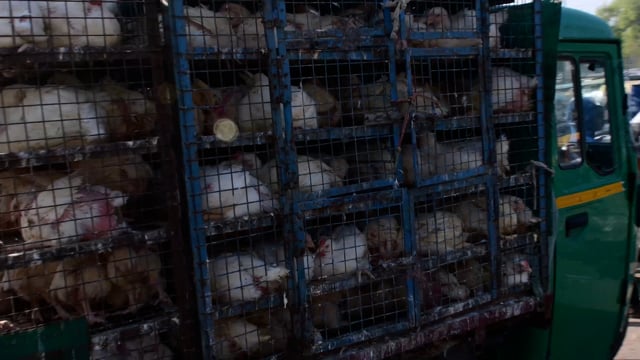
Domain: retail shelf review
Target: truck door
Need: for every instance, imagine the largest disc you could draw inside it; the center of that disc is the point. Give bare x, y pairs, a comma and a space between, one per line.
590, 184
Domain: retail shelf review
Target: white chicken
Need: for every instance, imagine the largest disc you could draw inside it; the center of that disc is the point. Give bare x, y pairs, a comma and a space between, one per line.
451, 288
69, 210
511, 91
426, 99
229, 190
77, 283
438, 19
254, 109
443, 158
22, 24
438, 232
312, 21
17, 190
251, 33
48, 116
206, 28
385, 237
273, 253
129, 113
345, 252
514, 214
339, 165
515, 270
76, 24
313, 175
328, 108
236, 337
242, 277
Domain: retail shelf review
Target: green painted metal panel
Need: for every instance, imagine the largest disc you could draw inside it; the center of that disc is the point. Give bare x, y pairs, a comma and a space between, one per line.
592, 265
573, 26
67, 340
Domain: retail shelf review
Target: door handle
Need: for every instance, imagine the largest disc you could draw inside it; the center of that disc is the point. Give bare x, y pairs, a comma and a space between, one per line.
575, 221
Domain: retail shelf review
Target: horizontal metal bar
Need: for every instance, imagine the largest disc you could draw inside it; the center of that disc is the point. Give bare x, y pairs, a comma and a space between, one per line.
13, 257
427, 121
272, 301
323, 198
435, 35
456, 180
211, 53
511, 53
260, 138
379, 54
229, 226
353, 202
513, 118
86, 54
451, 327
345, 282
442, 312
442, 52
135, 329
70, 154
520, 179
344, 133
360, 336
452, 256
519, 241
335, 133
333, 33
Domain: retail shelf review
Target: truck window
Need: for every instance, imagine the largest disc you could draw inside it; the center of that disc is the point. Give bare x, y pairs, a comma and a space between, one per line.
569, 148
581, 115
595, 116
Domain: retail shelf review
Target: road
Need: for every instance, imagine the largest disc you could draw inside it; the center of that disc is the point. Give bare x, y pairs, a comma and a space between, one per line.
630, 349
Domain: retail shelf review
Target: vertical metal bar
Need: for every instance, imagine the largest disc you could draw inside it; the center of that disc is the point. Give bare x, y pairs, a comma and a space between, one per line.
542, 150
188, 134
293, 230
391, 45
488, 141
171, 144
408, 221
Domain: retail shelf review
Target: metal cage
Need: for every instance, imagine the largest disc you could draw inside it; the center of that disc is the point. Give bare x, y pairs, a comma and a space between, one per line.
89, 196
357, 170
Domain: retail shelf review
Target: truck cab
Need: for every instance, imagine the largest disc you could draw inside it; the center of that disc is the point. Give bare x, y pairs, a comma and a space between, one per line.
593, 250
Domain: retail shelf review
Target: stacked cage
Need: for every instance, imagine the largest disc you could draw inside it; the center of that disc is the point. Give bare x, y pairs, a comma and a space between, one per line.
476, 166
87, 198
354, 171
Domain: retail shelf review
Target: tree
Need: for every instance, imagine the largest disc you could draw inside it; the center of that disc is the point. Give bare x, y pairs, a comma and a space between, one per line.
624, 18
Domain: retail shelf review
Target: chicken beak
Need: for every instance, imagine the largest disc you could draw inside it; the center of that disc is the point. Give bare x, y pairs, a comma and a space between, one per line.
525, 266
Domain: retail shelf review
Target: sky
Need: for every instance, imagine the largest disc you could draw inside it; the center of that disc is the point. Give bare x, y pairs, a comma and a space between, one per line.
589, 6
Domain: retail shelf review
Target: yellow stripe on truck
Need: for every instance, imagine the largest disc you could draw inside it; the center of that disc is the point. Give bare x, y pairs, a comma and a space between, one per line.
589, 195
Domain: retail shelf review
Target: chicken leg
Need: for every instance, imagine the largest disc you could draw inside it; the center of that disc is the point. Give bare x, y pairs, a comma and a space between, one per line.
89, 315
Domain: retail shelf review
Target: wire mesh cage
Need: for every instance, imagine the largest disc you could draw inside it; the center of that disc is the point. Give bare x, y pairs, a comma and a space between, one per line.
303, 126
87, 208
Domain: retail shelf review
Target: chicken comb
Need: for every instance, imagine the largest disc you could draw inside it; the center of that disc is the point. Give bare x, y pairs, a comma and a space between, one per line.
323, 243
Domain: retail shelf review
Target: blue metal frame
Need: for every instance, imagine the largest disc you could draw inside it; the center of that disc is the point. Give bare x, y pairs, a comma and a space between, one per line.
293, 204
542, 146
176, 25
